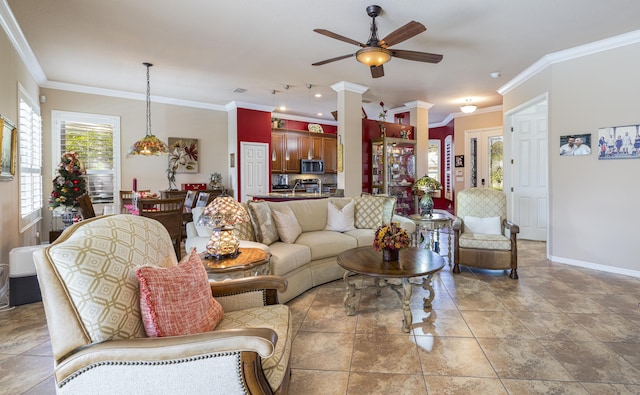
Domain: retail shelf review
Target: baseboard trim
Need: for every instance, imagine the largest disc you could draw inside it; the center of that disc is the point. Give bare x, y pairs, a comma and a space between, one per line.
595, 266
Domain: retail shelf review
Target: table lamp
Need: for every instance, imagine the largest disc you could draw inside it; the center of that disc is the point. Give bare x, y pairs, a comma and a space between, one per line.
222, 214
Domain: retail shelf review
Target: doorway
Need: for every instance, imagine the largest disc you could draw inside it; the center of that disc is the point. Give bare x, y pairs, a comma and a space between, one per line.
485, 151
528, 126
255, 169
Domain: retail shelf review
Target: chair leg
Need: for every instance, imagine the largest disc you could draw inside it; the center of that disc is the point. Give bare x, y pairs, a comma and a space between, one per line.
514, 274
456, 268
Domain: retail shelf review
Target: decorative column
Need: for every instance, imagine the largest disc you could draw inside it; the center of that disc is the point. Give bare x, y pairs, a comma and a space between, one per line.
350, 135
419, 119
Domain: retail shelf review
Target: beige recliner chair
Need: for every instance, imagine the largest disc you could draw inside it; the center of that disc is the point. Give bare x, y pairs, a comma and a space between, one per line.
91, 299
484, 237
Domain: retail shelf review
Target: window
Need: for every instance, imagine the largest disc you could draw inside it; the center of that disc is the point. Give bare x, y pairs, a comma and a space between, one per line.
448, 166
30, 162
433, 159
96, 139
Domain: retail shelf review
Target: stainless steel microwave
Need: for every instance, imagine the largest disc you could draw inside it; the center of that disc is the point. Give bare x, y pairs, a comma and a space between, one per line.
311, 166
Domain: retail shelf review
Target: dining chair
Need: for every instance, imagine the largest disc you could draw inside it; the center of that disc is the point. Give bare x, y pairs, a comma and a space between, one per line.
87, 206
203, 199
190, 199
169, 213
189, 202
126, 197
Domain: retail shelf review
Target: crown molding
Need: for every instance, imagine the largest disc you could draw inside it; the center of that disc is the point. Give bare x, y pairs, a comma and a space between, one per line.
419, 104
460, 114
14, 33
606, 44
304, 119
349, 86
247, 106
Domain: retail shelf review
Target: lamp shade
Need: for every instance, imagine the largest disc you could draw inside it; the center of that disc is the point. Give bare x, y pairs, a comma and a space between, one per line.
225, 211
149, 144
373, 56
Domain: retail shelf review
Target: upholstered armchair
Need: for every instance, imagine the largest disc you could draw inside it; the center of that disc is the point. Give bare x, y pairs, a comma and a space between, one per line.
484, 238
90, 286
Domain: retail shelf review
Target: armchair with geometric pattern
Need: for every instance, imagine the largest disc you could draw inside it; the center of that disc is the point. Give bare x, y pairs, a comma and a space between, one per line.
91, 283
484, 238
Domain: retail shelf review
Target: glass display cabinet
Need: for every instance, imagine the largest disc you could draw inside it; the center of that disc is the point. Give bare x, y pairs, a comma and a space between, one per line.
393, 171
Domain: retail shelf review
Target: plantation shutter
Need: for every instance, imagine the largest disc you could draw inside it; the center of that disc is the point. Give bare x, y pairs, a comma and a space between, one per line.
93, 142
30, 161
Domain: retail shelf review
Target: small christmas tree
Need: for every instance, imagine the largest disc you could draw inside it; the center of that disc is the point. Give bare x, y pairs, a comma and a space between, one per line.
69, 184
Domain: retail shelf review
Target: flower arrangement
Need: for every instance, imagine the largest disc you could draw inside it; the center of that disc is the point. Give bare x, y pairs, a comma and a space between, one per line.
391, 236
69, 184
427, 183
383, 113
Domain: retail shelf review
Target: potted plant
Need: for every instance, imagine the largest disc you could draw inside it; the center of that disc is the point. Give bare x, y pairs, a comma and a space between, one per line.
390, 238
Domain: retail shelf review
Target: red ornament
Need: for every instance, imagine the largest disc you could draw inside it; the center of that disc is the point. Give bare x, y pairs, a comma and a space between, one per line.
76, 189
76, 181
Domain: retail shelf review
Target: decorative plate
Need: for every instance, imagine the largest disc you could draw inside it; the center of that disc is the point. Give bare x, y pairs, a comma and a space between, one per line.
315, 128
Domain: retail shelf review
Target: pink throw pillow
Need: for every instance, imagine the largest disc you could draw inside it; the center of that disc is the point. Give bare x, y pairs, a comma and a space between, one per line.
177, 300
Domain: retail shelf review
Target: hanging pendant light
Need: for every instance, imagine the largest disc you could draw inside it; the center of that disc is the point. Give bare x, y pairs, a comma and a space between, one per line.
311, 147
149, 144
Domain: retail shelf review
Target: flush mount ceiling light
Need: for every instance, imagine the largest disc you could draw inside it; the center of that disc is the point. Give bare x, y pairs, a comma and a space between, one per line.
468, 107
149, 144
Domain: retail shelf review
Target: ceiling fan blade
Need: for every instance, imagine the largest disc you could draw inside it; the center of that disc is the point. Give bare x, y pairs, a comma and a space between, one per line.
402, 33
417, 56
338, 37
332, 60
377, 71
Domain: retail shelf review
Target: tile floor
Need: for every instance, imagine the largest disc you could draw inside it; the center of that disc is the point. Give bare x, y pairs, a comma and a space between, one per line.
557, 330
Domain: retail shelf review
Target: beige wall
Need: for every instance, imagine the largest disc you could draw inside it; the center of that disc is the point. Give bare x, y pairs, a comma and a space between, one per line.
470, 122
593, 215
12, 72
209, 126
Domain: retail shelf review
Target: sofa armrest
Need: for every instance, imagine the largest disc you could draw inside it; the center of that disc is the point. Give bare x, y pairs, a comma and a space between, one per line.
405, 223
247, 292
159, 352
457, 224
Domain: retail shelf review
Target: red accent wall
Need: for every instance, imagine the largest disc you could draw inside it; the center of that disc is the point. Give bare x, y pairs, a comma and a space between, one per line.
253, 126
440, 133
370, 131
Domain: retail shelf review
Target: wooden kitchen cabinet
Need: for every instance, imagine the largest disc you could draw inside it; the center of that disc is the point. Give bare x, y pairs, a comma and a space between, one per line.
277, 153
330, 154
288, 147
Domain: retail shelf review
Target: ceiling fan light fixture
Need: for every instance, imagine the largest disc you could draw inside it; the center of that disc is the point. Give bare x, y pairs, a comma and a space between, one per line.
373, 56
469, 107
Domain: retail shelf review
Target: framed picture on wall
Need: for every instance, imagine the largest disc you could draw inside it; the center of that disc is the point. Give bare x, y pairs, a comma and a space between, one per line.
619, 142
575, 144
183, 155
459, 160
8, 149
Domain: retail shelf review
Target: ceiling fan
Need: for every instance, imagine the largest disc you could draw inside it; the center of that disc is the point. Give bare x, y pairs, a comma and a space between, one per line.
376, 52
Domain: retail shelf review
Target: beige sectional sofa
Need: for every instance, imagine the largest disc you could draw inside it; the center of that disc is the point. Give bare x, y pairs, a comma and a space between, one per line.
305, 236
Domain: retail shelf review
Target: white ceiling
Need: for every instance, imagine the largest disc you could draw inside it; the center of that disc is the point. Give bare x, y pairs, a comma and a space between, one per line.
204, 49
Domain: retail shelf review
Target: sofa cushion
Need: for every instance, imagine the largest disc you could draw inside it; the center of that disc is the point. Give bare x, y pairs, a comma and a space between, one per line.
287, 224
364, 237
487, 226
488, 242
340, 219
310, 213
324, 244
276, 317
288, 257
177, 300
263, 223
373, 211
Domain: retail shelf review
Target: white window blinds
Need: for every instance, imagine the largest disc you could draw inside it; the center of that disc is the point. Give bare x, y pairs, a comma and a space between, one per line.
30, 154
94, 138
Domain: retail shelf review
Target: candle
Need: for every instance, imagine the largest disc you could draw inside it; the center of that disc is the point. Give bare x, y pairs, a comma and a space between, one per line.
135, 184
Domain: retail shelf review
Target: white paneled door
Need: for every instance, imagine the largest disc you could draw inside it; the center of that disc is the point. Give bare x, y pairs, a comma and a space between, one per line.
528, 127
255, 169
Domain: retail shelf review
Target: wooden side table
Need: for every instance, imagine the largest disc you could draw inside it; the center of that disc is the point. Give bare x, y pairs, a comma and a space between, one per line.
249, 262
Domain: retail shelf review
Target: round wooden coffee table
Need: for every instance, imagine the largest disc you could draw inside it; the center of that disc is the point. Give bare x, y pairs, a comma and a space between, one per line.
413, 262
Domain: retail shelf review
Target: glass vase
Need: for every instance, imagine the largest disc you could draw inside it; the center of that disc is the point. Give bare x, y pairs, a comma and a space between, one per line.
426, 204
390, 254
